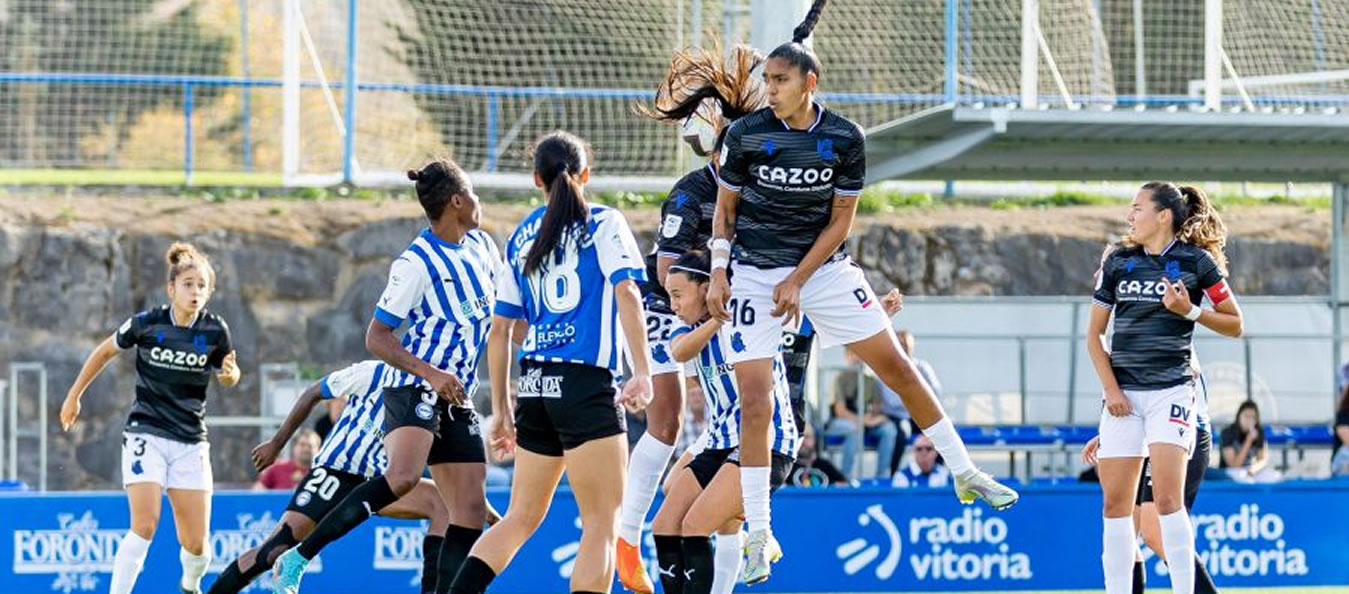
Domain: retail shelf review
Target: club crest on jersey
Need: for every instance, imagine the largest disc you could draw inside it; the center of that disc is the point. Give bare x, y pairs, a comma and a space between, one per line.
1173, 270
825, 148
769, 147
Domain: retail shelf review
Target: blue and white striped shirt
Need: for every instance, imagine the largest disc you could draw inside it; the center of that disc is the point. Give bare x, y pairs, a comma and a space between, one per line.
445, 292
722, 394
569, 302
355, 445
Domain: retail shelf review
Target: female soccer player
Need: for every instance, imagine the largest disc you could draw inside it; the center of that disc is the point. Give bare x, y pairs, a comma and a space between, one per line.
1153, 285
790, 176
706, 494
443, 286
178, 348
571, 273
696, 78
352, 454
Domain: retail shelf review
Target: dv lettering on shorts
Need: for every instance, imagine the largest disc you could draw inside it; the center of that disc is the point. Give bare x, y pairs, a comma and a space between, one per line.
862, 297
1180, 415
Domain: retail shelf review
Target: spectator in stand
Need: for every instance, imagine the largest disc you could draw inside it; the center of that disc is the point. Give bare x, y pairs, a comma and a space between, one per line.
1244, 451
1339, 462
809, 469
924, 468
851, 382
893, 406
285, 474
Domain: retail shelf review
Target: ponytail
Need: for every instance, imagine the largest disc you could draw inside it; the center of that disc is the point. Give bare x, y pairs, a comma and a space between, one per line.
1202, 226
559, 159
697, 75
796, 51
807, 26
183, 256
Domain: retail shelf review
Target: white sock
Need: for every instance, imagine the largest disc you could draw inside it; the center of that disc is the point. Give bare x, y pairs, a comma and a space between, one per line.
950, 446
645, 468
754, 488
1119, 546
126, 565
726, 565
1178, 542
194, 566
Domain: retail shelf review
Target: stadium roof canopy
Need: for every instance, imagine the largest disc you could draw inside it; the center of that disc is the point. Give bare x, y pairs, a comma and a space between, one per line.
960, 142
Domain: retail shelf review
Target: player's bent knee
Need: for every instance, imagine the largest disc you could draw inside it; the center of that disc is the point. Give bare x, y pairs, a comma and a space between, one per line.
696, 526
145, 527
1118, 509
402, 482
280, 541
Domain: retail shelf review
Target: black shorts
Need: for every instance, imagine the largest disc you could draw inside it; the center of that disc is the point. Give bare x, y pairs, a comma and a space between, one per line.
563, 405
321, 490
457, 429
708, 463
1194, 472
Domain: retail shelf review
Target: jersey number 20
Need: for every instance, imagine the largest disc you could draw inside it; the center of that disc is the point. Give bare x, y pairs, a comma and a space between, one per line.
323, 484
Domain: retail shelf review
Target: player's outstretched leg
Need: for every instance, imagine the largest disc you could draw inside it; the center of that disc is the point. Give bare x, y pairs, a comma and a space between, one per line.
882, 353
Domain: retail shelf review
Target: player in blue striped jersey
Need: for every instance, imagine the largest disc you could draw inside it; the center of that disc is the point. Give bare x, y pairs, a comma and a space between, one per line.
351, 454
705, 496
571, 273
443, 287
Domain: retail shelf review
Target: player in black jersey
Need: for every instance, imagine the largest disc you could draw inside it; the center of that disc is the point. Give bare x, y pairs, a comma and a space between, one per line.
790, 177
178, 348
1154, 285
702, 91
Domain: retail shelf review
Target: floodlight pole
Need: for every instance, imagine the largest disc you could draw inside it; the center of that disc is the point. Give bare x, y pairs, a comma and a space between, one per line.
772, 21
1339, 265
1213, 60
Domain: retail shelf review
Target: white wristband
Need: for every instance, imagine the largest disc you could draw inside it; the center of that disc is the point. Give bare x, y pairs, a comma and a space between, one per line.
1194, 313
720, 262
719, 244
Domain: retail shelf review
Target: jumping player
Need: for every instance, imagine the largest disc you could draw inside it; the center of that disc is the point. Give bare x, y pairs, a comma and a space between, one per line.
178, 348
790, 177
701, 92
571, 273
443, 287
1153, 285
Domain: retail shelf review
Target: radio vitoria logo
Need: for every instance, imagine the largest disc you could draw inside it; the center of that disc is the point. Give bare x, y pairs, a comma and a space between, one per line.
964, 547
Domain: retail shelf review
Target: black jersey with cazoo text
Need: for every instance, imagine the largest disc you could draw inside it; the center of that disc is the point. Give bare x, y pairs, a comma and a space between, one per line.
1151, 347
685, 225
174, 364
787, 181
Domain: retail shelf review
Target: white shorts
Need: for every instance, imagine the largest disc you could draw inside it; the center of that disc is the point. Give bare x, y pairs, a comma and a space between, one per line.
837, 298
659, 325
171, 464
1158, 416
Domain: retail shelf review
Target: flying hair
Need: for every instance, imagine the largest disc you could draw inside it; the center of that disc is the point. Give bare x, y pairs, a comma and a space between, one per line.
697, 76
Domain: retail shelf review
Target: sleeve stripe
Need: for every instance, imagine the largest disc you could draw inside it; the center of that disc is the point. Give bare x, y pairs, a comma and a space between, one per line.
1102, 304
509, 310
622, 274
725, 184
387, 318
850, 193
325, 388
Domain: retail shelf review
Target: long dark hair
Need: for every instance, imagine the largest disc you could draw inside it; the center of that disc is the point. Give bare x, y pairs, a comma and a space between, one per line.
1249, 405
559, 159
1344, 401
696, 265
436, 183
697, 75
1194, 220
796, 51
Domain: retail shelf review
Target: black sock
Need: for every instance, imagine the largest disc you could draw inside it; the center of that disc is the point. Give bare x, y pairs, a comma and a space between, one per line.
458, 542
698, 570
670, 562
1140, 577
232, 580
430, 552
372, 496
1203, 583
474, 577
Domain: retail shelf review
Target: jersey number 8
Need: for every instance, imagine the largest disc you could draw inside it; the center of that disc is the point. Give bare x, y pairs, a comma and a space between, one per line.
323, 484
560, 285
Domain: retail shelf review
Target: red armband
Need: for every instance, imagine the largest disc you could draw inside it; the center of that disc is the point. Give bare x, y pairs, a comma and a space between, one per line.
1219, 292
